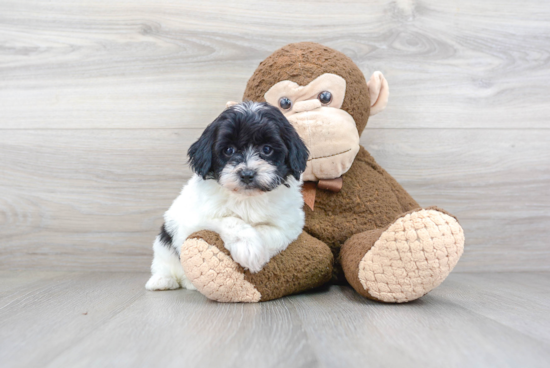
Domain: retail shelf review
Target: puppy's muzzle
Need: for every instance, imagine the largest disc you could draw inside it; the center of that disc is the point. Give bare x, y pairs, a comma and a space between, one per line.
247, 176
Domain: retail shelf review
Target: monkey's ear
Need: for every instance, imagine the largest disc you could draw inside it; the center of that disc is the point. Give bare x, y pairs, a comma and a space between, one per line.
230, 103
378, 93
200, 153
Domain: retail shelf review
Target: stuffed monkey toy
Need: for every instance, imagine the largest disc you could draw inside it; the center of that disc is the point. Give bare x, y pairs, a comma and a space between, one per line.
361, 225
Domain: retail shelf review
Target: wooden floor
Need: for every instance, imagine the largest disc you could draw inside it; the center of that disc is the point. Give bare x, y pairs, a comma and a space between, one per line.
67, 319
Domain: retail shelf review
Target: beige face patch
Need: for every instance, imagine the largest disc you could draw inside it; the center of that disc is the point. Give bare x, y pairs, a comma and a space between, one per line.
329, 133
296, 93
332, 139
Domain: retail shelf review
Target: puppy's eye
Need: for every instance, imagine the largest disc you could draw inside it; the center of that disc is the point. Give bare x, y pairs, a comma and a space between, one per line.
285, 103
267, 150
229, 151
325, 97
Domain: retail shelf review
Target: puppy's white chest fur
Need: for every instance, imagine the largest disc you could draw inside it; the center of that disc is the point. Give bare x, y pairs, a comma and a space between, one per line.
254, 227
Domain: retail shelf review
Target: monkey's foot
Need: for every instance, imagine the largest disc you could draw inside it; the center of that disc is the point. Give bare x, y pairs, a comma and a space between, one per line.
209, 267
407, 259
305, 264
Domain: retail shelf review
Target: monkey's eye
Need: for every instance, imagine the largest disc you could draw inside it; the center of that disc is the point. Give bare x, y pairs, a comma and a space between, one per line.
228, 151
285, 103
325, 97
267, 150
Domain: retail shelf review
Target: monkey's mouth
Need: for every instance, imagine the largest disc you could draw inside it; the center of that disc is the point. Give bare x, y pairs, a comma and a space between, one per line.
332, 155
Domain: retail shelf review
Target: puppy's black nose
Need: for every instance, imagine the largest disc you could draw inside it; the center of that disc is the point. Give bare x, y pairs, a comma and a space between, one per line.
247, 175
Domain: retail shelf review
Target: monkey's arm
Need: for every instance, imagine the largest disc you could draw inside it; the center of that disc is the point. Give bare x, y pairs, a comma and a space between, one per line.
305, 264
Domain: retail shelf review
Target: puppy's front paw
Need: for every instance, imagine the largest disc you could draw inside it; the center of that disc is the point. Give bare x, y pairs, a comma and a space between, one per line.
162, 282
249, 255
249, 252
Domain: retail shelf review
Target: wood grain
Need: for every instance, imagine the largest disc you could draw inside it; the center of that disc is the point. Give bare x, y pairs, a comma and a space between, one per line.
152, 64
94, 199
40, 320
100, 100
431, 332
498, 295
183, 328
108, 319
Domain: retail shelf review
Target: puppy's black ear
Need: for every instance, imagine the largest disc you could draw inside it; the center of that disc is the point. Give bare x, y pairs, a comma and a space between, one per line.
297, 155
201, 152
297, 150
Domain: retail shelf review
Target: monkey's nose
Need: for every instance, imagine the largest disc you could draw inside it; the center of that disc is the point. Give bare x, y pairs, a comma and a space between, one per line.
308, 105
247, 175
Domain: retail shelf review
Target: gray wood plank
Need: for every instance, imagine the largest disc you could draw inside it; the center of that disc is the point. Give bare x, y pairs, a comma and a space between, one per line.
174, 64
183, 328
44, 318
347, 330
105, 191
471, 320
517, 300
94, 199
11, 282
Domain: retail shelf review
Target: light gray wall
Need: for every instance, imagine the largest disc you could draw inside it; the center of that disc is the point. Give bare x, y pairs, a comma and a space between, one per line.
99, 102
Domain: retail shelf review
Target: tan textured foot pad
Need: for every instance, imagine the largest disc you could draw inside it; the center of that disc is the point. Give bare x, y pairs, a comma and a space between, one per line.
215, 274
413, 256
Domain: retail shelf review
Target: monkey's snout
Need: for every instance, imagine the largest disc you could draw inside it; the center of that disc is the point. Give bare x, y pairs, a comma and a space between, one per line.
308, 105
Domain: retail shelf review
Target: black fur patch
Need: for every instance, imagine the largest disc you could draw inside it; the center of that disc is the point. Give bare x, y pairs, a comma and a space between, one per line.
165, 237
248, 126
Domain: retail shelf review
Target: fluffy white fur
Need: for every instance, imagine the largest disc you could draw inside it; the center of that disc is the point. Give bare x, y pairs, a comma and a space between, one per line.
254, 228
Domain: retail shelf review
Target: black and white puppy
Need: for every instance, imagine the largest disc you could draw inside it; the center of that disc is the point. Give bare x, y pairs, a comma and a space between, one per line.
246, 187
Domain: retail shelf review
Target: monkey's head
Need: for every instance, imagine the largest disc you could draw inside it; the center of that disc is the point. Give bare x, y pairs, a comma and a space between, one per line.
325, 97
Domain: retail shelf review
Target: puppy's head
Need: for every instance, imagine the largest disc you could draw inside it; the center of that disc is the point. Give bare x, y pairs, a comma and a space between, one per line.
250, 148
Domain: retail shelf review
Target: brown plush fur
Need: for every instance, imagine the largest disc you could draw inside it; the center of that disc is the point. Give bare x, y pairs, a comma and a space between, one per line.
370, 199
353, 251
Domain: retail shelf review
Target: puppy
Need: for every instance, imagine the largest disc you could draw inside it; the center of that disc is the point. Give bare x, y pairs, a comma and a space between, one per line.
246, 187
